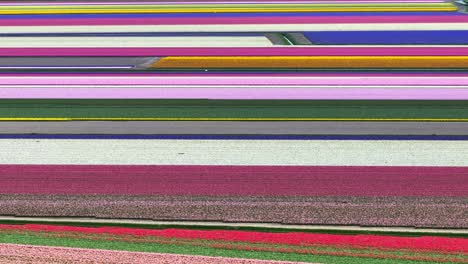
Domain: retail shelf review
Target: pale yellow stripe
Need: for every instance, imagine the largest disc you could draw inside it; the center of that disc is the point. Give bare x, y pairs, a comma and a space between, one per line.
314, 62
227, 119
221, 10
225, 5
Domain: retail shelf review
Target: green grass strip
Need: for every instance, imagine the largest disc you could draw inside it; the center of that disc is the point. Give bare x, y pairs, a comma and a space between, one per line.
116, 108
38, 239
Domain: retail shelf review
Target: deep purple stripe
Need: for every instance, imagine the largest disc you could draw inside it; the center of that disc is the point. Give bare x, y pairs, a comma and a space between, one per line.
233, 137
283, 51
234, 180
209, 15
234, 20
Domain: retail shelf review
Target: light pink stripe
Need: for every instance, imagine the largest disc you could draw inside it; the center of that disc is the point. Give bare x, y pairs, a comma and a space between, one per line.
239, 93
233, 20
244, 80
283, 51
20, 254
256, 74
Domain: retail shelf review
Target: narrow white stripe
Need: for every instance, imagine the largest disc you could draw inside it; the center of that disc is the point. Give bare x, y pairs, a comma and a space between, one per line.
235, 28
56, 42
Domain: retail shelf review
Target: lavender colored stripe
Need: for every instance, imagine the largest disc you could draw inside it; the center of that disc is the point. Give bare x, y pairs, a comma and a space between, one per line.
273, 51
235, 20
325, 93
338, 80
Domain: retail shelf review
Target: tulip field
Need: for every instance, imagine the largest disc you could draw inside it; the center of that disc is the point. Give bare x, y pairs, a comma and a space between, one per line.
398, 196
234, 131
429, 203
237, 245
